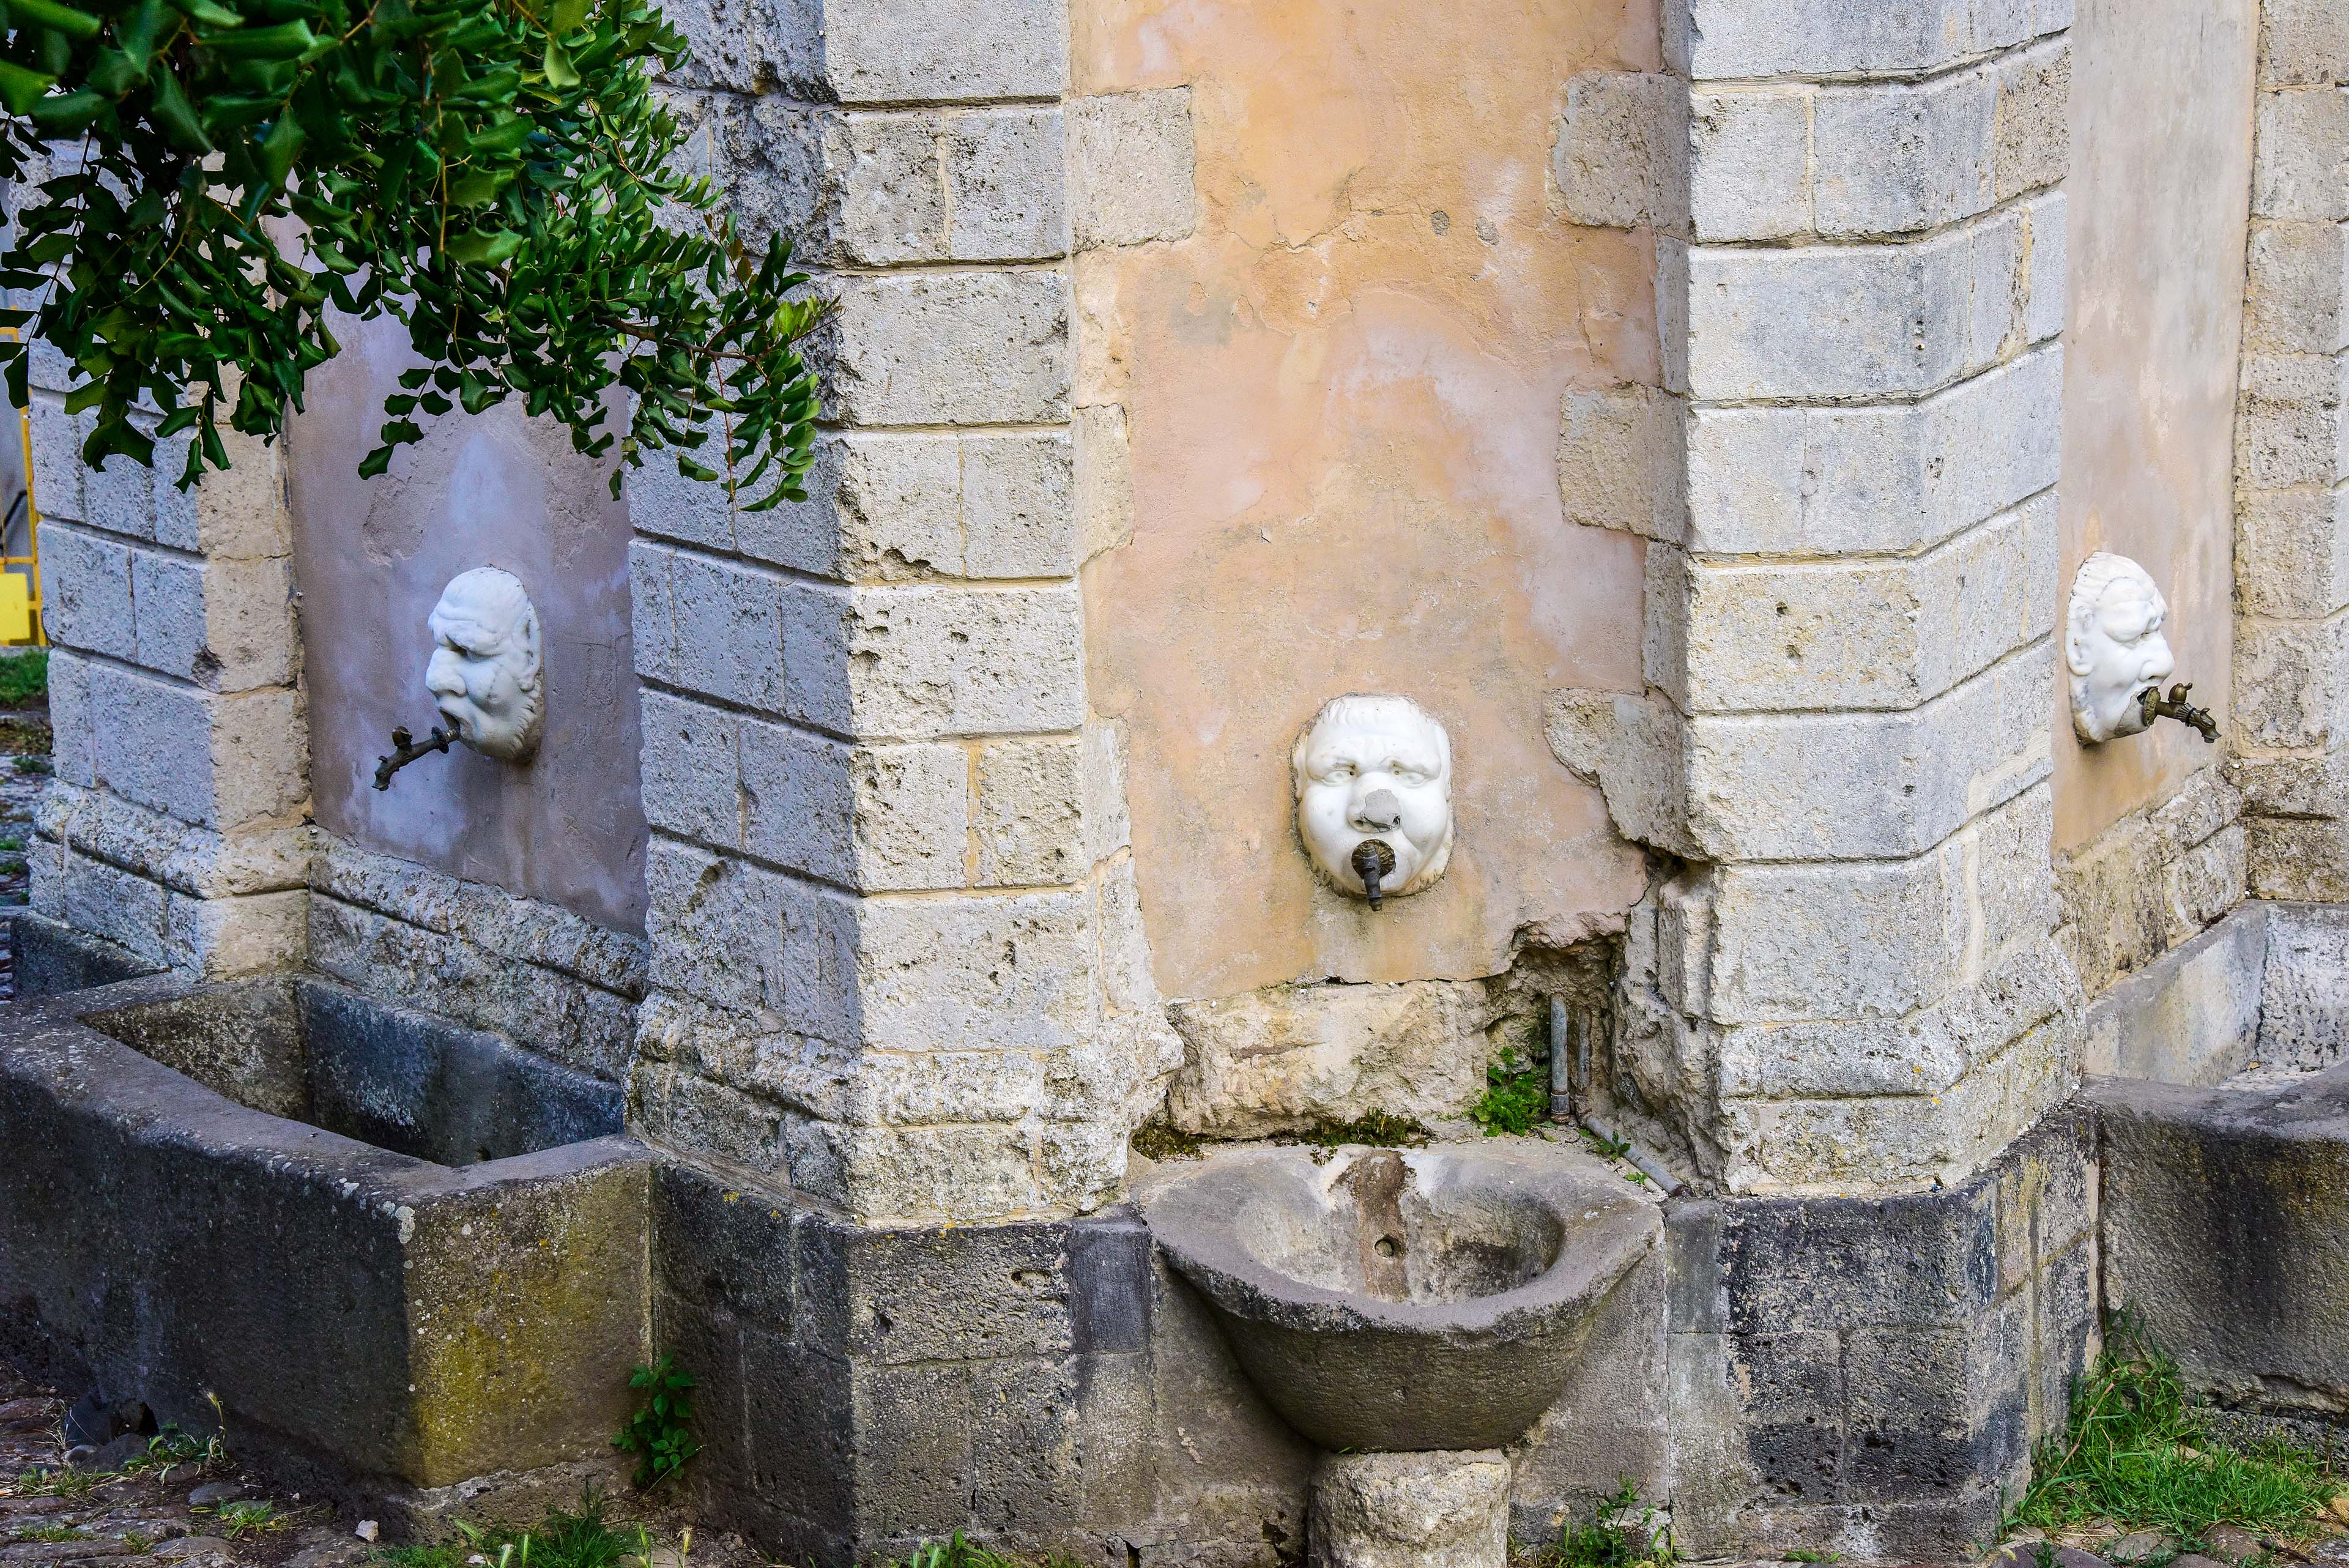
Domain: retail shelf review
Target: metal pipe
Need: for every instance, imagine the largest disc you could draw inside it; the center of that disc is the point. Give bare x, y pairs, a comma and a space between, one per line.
406, 750
1561, 1060
1646, 1164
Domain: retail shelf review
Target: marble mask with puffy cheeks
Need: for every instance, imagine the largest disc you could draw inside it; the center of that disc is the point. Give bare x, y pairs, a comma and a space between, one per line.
485, 671
2114, 646
1375, 767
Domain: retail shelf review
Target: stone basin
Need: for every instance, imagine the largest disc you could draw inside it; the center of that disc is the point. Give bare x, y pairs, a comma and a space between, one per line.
1388, 1301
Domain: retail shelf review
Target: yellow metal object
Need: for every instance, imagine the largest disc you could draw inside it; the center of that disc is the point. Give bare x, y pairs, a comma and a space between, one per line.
20, 576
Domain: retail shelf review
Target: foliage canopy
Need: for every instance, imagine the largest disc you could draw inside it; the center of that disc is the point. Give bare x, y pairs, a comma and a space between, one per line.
216, 177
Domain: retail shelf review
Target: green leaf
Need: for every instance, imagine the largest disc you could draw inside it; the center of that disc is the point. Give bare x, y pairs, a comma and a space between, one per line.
278, 150
282, 42
172, 113
21, 88
480, 248
73, 23
69, 112
567, 17
556, 63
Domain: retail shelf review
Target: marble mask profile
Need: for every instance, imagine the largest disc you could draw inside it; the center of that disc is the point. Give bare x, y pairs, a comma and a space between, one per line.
2114, 646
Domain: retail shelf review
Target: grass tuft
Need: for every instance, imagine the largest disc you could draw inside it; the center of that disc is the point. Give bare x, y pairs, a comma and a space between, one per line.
1624, 1532
1378, 1130
960, 1553
252, 1518
1157, 1140
1516, 1096
2139, 1452
52, 1532
60, 1483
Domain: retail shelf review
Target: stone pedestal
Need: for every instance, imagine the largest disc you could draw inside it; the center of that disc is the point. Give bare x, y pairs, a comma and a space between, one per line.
1410, 1510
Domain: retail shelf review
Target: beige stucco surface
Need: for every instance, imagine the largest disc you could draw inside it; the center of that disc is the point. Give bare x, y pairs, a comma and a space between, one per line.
2160, 195
372, 556
1343, 392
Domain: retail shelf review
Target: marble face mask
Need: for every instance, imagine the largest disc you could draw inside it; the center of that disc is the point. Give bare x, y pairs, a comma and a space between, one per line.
1375, 767
485, 671
2113, 645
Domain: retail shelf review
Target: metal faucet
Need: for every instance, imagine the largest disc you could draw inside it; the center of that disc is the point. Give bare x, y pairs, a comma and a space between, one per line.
1373, 858
407, 751
2176, 706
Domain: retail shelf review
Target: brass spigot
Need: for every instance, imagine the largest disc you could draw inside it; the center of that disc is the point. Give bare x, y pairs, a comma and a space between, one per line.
1373, 860
2176, 706
406, 751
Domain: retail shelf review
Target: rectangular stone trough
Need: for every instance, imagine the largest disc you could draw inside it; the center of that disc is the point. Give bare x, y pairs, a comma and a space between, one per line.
406, 1253
2222, 1098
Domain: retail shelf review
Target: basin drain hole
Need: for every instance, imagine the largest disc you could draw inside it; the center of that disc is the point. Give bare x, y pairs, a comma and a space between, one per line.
1389, 1247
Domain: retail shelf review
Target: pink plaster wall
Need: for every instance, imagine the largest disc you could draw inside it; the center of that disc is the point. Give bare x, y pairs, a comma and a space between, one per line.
2158, 199
1343, 392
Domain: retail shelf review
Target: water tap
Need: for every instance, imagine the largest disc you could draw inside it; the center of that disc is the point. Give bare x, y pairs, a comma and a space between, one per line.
2176, 706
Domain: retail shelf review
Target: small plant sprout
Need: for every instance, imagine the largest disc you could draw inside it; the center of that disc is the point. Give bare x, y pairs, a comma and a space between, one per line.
1517, 1096
660, 1434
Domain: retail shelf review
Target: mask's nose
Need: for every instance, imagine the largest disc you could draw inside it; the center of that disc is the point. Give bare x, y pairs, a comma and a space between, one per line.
441, 677
1377, 812
2160, 663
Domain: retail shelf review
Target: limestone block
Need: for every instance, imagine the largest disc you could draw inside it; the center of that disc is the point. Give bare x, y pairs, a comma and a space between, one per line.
2301, 172
1873, 634
1749, 163
1873, 320
925, 51
1899, 157
1104, 479
225, 624
192, 861
238, 513
1634, 750
690, 784
1745, 38
1893, 479
1921, 1053
109, 902
1622, 157
948, 348
1127, 985
736, 44
70, 719
1017, 505
890, 187
505, 924
908, 662
2032, 145
1782, 947
974, 973
2304, 42
903, 1175
1132, 168
2153, 879
2298, 857
2289, 427
220, 939
2291, 553
1029, 827
684, 1110
86, 591
218, 760
58, 472
2297, 292
2288, 681
874, 1088
708, 625
1409, 1509
721, 928
1825, 786
1621, 455
889, 816
880, 507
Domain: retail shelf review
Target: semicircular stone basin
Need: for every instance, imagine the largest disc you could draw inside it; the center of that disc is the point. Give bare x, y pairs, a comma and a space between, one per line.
1390, 1300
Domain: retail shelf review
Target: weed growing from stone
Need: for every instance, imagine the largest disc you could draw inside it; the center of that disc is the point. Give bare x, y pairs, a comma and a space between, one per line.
960, 1553
1157, 1140
1624, 1532
1516, 1096
52, 1532
2139, 1452
1379, 1129
252, 1518
583, 1537
59, 1483
660, 1434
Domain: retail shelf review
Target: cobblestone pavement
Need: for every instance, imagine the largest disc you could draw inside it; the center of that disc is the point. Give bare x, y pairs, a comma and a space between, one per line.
24, 771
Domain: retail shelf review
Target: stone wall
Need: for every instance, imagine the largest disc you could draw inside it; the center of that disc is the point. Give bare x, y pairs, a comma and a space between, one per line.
2292, 461
896, 946
178, 825
1851, 586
